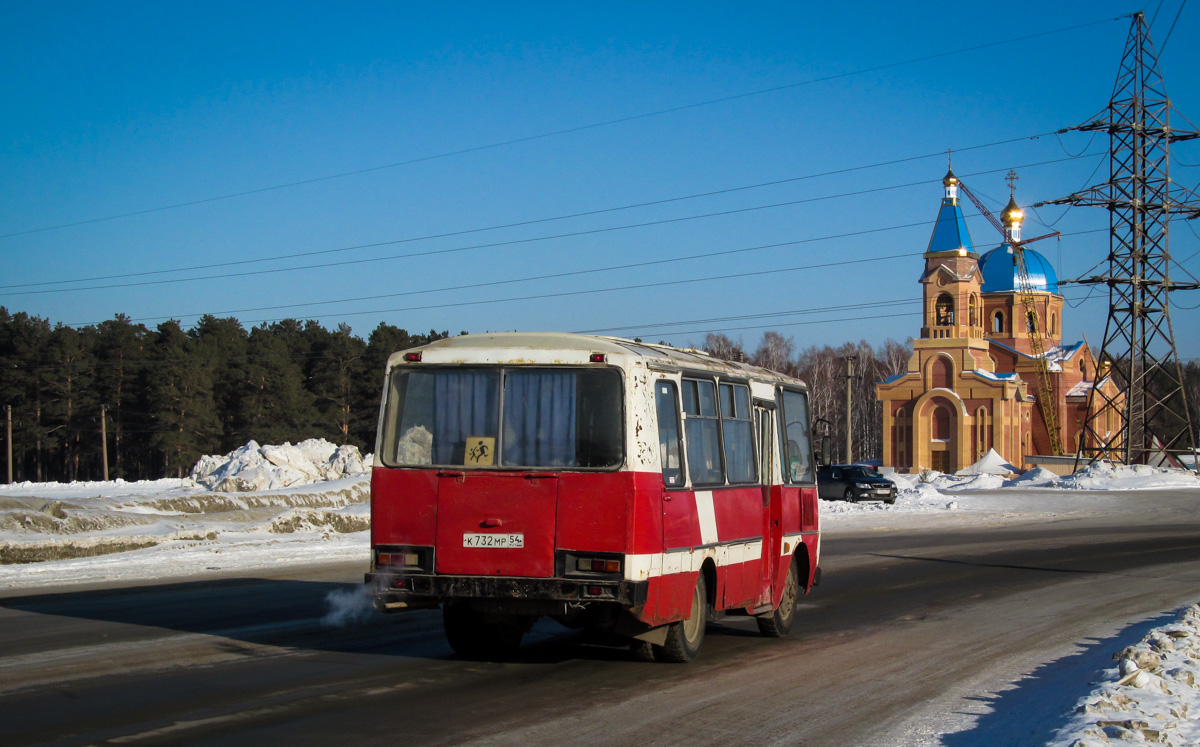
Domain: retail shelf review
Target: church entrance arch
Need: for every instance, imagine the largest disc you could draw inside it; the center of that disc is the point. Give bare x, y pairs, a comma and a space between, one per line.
937, 438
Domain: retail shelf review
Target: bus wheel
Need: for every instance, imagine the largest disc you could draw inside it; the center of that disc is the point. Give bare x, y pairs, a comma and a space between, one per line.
474, 635
684, 637
778, 622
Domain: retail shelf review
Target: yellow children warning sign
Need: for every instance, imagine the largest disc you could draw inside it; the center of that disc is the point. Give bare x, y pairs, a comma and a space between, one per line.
481, 451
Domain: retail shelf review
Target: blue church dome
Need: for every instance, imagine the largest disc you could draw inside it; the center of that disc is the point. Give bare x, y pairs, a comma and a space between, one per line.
1000, 271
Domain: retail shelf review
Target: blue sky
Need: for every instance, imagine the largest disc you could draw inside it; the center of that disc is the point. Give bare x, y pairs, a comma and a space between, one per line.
124, 109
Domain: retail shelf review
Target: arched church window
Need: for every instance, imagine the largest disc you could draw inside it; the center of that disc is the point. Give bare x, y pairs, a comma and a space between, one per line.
1053, 323
1031, 322
998, 323
941, 373
941, 423
973, 309
944, 310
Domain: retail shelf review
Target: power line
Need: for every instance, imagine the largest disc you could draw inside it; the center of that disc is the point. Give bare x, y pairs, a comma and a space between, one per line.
642, 286
535, 221
554, 276
511, 242
744, 317
572, 273
1168, 38
639, 286
556, 133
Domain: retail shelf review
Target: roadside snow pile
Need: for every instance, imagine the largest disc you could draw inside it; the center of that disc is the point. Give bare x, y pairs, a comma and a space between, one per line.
256, 494
1105, 476
254, 467
1151, 696
990, 464
1038, 477
1096, 476
924, 486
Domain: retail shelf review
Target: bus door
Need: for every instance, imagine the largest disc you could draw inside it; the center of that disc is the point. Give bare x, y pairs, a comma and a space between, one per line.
764, 417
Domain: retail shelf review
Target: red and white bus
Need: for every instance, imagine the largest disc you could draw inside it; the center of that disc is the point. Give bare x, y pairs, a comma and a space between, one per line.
614, 485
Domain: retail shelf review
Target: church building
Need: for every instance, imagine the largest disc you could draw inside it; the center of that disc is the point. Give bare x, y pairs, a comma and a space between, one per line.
972, 380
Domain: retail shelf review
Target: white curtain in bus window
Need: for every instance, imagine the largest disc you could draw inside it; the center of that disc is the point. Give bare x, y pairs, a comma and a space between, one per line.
465, 403
797, 439
539, 419
738, 432
702, 430
670, 455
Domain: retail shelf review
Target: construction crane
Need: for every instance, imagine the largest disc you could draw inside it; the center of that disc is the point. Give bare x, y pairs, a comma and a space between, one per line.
1045, 395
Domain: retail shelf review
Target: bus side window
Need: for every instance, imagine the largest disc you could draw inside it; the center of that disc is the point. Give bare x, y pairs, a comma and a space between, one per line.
738, 432
798, 464
702, 426
669, 450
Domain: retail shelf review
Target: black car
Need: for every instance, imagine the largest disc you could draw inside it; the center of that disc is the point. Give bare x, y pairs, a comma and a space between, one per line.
854, 482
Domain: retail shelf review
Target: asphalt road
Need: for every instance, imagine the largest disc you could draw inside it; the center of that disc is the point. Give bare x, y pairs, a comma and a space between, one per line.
911, 633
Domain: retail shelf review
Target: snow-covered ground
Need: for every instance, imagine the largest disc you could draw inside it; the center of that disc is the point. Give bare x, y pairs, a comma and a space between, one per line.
272, 505
309, 503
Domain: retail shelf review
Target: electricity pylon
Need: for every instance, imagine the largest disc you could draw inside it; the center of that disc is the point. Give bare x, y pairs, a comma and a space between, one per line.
1147, 421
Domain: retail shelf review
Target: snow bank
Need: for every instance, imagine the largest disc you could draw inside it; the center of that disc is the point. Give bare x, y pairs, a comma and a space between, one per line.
312, 489
1096, 476
1151, 696
254, 467
990, 464
1105, 476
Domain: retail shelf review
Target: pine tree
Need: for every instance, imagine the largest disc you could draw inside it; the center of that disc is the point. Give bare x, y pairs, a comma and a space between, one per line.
120, 375
273, 406
336, 366
220, 347
186, 423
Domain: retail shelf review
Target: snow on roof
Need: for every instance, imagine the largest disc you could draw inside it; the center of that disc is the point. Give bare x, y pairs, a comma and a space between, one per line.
995, 376
1079, 390
1053, 355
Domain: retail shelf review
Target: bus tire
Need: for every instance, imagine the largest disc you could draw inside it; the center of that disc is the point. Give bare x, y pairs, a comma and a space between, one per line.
474, 635
778, 622
685, 637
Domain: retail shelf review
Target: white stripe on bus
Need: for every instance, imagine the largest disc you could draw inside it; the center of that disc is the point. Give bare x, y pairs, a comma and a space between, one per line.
652, 565
708, 517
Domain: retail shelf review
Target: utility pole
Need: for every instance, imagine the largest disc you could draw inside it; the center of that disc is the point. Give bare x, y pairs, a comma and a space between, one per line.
104, 442
8, 440
849, 419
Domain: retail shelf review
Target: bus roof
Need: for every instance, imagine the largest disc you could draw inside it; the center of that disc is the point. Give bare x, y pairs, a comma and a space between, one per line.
568, 348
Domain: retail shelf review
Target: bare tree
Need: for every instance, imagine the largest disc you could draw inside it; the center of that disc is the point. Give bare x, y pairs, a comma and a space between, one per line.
720, 346
776, 353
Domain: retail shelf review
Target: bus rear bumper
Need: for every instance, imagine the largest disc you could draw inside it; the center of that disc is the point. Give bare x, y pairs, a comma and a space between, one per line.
398, 592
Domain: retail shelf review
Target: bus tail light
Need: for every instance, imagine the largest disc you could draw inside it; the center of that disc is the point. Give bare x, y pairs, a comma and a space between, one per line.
598, 358
599, 565
405, 559
412, 357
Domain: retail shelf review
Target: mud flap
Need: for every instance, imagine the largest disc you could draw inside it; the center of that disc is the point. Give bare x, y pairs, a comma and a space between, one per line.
631, 627
656, 636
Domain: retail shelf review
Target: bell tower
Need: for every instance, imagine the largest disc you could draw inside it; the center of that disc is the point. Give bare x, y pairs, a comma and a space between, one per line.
953, 308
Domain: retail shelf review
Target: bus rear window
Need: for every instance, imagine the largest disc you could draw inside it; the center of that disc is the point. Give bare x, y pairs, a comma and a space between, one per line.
488, 417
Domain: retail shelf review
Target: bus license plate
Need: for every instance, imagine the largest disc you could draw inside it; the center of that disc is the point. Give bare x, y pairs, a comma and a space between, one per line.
494, 539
